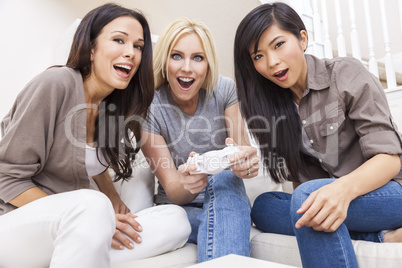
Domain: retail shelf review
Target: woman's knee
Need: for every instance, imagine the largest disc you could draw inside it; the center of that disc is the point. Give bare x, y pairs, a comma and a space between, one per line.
227, 181
170, 211
177, 217
266, 200
261, 202
93, 207
269, 209
94, 201
173, 218
303, 191
164, 226
227, 177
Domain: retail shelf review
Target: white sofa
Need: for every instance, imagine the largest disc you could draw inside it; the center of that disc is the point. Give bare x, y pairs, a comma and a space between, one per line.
272, 247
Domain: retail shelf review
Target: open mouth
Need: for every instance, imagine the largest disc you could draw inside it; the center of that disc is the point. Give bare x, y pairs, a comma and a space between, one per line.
185, 82
122, 69
281, 73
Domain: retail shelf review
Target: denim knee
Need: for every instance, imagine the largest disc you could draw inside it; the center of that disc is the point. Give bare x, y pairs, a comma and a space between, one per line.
270, 213
264, 202
302, 192
260, 212
227, 179
228, 182
298, 197
268, 198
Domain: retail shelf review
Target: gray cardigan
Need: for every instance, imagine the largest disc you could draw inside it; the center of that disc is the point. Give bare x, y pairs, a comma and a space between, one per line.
44, 137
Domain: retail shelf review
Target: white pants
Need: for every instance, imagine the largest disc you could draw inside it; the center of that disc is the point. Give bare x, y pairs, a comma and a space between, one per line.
75, 229
61, 230
165, 228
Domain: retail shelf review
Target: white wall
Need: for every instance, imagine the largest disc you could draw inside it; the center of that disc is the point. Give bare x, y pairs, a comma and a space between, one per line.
32, 30
28, 31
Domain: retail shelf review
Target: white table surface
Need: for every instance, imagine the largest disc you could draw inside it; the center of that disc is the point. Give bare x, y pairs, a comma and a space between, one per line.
236, 261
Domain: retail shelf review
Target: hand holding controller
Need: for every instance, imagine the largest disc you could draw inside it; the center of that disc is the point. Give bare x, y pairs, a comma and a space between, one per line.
213, 162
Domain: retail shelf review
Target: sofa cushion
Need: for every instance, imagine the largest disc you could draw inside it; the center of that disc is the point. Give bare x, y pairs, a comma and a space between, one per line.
276, 248
283, 249
271, 247
182, 257
371, 254
138, 192
280, 249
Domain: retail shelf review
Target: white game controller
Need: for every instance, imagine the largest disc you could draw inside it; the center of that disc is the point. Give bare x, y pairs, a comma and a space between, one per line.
213, 162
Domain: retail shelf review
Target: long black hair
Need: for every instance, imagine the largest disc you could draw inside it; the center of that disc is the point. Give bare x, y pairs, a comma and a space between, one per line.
269, 110
131, 104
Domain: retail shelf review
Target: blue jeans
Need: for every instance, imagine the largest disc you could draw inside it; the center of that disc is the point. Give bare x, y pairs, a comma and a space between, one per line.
368, 215
222, 225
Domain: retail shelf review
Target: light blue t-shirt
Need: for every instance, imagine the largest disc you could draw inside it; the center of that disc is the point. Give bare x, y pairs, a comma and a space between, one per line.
183, 133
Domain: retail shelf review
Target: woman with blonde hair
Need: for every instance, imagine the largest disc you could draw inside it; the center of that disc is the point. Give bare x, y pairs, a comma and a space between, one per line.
196, 110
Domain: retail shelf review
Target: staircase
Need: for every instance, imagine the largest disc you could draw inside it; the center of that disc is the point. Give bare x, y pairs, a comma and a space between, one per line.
368, 30
359, 29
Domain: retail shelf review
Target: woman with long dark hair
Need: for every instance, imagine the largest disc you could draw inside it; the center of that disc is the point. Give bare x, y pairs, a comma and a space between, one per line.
325, 125
65, 129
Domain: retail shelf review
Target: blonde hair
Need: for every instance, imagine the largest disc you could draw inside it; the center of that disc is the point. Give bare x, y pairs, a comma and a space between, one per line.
168, 40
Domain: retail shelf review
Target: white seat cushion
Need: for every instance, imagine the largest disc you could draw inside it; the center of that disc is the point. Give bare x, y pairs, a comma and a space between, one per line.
283, 249
182, 257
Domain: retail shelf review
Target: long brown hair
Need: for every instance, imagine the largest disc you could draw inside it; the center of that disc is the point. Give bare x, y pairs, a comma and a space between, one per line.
131, 104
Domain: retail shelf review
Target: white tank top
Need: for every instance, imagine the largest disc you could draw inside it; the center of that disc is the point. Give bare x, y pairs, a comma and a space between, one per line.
92, 164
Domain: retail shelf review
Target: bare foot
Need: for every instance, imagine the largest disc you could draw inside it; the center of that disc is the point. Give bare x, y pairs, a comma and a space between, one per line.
393, 236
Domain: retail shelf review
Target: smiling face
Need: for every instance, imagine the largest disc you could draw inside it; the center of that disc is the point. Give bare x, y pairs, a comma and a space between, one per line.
187, 69
280, 58
117, 55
